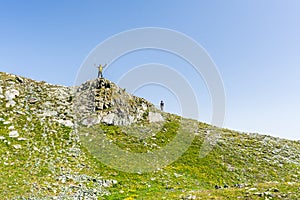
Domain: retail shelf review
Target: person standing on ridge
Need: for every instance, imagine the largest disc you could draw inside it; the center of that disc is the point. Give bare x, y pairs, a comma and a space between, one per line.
100, 70
162, 104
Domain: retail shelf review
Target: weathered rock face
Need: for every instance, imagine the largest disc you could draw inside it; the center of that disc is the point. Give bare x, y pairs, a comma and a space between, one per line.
22, 97
95, 101
101, 100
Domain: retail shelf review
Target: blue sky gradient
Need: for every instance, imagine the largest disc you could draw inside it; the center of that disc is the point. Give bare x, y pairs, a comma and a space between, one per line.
255, 45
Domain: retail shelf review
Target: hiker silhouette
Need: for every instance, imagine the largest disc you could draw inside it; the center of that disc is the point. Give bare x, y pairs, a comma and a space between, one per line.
162, 104
100, 70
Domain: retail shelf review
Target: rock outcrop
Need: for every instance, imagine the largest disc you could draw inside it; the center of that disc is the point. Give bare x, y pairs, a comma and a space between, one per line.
101, 101
95, 101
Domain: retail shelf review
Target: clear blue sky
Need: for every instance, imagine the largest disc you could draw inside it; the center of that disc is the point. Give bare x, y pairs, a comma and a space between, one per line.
255, 45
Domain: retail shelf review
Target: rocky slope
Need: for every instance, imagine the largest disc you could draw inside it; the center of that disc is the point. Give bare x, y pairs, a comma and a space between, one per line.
39, 151
42, 156
37, 123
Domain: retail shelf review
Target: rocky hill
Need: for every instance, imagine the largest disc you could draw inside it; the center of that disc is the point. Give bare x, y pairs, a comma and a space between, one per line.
42, 155
102, 101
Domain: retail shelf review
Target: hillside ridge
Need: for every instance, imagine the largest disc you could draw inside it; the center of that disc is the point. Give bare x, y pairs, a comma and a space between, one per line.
43, 157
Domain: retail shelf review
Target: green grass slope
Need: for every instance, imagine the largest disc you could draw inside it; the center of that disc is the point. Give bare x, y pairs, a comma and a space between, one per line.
42, 157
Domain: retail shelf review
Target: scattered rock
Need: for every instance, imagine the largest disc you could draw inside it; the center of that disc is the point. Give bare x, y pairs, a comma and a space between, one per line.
35, 149
258, 194
68, 123
32, 100
177, 175
22, 139
155, 117
13, 134
238, 185
190, 196
49, 113
11, 94
252, 189
17, 146
268, 194
10, 103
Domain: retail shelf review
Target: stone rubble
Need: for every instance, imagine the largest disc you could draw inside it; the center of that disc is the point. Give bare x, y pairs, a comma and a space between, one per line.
13, 134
